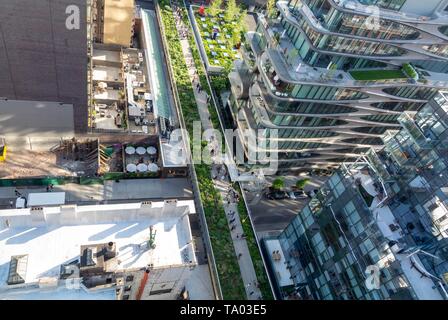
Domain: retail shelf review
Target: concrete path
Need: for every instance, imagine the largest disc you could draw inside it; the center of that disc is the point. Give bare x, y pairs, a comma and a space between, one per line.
223, 186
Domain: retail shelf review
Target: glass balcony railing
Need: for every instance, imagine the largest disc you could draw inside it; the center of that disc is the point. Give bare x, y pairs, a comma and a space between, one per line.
408, 123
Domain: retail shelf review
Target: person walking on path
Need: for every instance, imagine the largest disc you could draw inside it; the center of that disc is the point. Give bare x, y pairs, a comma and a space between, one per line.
240, 255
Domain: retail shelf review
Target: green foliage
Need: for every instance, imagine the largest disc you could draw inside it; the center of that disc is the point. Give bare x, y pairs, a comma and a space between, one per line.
225, 256
409, 70
223, 48
232, 11
270, 8
300, 184
215, 7
278, 184
257, 261
226, 261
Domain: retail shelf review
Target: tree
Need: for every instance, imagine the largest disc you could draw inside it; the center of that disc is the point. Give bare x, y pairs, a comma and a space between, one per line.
270, 8
242, 20
300, 184
231, 11
215, 7
278, 184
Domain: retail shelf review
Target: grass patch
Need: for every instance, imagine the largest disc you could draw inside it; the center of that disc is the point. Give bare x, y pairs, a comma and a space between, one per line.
366, 75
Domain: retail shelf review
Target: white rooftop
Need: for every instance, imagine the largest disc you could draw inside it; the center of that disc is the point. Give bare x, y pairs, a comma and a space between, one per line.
174, 152
55, 236
281, 272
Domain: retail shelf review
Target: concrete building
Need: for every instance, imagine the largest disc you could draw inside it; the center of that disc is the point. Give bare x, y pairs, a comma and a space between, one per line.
324, 79
129, 251
40, 58
385, 215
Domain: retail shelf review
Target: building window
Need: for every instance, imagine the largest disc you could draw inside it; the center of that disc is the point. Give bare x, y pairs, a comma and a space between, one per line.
161, 291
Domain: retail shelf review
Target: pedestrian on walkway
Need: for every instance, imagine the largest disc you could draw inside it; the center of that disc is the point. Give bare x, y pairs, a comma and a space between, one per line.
240, 255
11, 203
251, 293
17, 193
237, 235
233, 228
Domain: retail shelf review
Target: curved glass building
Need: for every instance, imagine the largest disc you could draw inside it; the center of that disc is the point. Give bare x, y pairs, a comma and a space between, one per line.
322, 80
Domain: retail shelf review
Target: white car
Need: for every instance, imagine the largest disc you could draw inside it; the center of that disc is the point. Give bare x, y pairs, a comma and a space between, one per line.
296, 195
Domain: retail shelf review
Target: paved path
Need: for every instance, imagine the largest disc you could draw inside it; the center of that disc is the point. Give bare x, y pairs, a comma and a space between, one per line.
222, 185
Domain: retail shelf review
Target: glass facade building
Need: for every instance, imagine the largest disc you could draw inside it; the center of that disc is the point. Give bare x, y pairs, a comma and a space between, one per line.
388, 209
327, 78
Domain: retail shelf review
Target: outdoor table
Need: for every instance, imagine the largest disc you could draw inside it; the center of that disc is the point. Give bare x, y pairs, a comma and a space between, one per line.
202, 19
214, 53
131, 167
151, 150
141, 150
217, 62
130, 150
204, 25
211, 46
223, 47
153, 167
225, 54
220, 42
228, 36
141, 167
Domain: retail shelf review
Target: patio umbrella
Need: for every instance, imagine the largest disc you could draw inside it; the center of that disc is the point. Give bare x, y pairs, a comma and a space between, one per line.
130, 150
141, 150
153, 167
142, 167
151, 150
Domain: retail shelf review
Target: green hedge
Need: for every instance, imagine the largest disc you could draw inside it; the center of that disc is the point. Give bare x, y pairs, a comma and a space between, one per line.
226, 261
219, 84
260, 270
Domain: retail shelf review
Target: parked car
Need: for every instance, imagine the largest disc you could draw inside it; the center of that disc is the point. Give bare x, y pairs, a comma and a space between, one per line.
277, 195
296, 195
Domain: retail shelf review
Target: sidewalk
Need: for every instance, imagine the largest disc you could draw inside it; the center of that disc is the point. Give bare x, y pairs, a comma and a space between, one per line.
245, 261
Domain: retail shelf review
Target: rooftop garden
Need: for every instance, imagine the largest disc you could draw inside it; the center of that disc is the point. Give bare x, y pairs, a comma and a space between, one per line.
373, 75
221, 30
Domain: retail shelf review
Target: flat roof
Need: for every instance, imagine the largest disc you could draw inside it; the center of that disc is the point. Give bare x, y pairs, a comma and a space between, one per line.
46, 198
20, 118
59, 293
106, 55
174, 152
281, 272
57, 239
118, 20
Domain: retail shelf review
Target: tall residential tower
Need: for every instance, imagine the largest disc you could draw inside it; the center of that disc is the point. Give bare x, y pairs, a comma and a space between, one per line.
383, 217
324, 79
